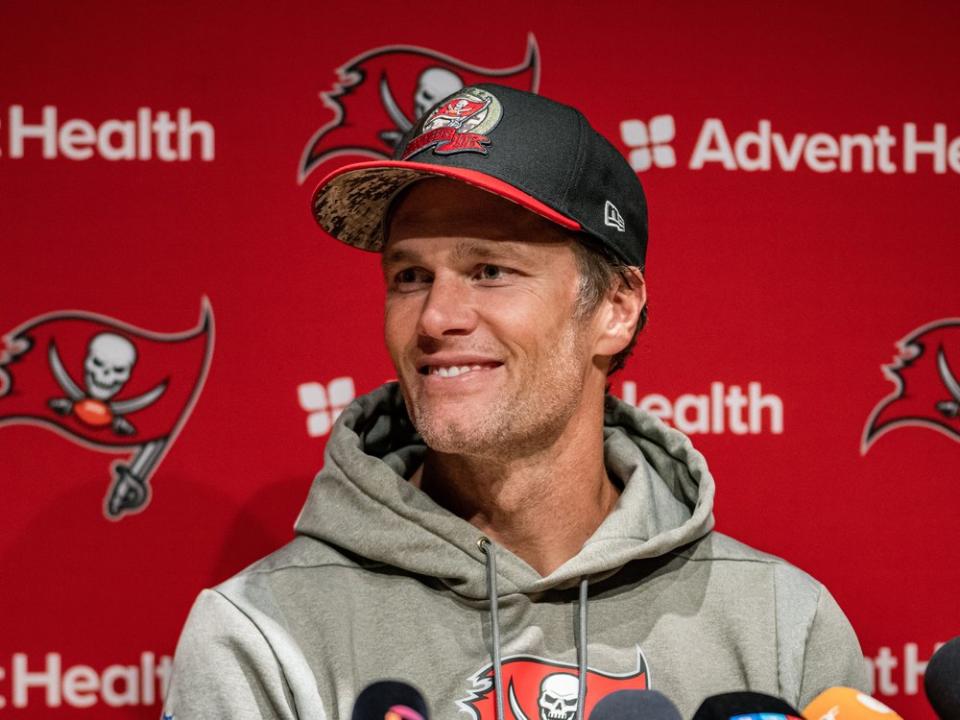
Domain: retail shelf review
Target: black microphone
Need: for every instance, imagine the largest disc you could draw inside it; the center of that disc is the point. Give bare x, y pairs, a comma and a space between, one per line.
941, 681
390, 700
635, 705
752, 705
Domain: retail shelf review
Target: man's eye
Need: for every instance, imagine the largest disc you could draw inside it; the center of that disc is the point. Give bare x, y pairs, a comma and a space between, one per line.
411, 276
490, 272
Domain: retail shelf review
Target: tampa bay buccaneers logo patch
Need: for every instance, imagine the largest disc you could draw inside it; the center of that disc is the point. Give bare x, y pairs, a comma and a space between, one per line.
926, 374
460, 124
381, 93
539, 689
108, 386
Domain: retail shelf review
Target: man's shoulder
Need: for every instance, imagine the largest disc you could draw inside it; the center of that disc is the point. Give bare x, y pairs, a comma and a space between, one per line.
300, 553
818, 647
302, 561
727, 554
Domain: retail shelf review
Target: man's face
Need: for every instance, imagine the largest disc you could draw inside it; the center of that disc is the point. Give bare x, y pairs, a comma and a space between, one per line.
480, 321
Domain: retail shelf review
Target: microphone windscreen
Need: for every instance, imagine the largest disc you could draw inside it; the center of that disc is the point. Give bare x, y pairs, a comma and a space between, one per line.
745, 705
942, 681
390, 700
635, 705
843, 703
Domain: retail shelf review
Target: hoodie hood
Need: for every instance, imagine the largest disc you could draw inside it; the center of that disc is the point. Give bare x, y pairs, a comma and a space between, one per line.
361, 501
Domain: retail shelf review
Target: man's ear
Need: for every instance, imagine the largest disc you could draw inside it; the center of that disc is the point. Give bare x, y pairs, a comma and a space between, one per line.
620, 312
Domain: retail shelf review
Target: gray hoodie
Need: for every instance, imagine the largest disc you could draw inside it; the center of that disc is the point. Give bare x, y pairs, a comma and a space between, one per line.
381, 582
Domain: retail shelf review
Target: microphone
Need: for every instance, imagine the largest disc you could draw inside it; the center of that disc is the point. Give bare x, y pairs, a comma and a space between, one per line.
843, 703
745, 705
635, 705
942, 681
390, 700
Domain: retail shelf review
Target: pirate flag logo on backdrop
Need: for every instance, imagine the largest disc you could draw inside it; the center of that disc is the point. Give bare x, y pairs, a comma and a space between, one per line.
380, 94
540, 689
927, 378
106, 385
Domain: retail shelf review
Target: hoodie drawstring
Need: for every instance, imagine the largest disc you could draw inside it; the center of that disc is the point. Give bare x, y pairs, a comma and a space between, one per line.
582, 647
489, 550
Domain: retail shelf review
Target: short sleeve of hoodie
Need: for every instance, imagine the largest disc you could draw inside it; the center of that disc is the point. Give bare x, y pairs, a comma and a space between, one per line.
224, 667
832, 656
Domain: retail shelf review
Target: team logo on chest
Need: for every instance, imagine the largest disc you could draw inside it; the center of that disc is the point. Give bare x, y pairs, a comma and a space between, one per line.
540, 689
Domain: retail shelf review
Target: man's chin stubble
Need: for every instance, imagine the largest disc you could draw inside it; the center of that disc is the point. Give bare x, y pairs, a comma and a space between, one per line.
501, 434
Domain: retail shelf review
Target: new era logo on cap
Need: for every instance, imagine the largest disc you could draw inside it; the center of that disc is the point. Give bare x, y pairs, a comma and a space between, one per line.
612, 217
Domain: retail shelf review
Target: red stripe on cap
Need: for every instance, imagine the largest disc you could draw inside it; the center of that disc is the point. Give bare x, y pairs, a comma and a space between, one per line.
471, 177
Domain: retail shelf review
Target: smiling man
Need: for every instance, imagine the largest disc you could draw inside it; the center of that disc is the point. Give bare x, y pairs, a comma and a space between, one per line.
494, 529
502, 372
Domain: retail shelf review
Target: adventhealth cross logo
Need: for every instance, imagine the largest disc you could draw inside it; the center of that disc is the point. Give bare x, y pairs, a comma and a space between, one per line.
648, 142
324, 404
911, 148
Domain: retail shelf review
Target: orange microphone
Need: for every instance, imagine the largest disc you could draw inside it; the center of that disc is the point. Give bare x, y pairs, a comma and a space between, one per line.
843, 703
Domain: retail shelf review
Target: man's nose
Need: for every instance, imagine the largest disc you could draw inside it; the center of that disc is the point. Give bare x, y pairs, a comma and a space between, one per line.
448, 309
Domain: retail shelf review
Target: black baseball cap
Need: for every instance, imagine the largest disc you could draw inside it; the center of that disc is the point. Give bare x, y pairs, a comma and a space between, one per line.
536, 152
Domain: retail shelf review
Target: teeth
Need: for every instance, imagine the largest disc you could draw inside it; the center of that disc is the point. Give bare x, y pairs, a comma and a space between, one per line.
454, 370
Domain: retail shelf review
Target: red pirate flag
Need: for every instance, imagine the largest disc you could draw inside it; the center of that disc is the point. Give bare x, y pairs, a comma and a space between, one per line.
106, 385
380, 94
531, 684
927, 376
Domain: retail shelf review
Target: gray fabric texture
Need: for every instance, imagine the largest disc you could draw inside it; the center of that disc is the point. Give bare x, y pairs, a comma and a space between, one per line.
382, 583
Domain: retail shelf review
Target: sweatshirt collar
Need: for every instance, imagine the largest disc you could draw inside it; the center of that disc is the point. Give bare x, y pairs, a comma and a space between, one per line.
361, 501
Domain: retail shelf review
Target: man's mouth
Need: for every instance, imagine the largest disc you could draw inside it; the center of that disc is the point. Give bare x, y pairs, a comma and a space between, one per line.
452, 371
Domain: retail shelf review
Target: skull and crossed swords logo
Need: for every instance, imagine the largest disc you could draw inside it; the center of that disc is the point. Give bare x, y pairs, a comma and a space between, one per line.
107, 368
108, 386
541, 689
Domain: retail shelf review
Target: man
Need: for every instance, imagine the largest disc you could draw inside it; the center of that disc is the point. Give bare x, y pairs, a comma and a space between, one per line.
492, 529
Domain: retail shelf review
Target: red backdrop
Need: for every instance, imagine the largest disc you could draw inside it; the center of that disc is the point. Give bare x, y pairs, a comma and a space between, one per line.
802, 164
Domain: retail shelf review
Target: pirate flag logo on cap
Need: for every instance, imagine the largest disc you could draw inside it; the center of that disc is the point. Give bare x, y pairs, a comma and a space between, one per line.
459, 125
108, 386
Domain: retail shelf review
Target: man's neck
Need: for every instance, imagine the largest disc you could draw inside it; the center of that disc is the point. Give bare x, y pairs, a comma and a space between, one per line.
542, 507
